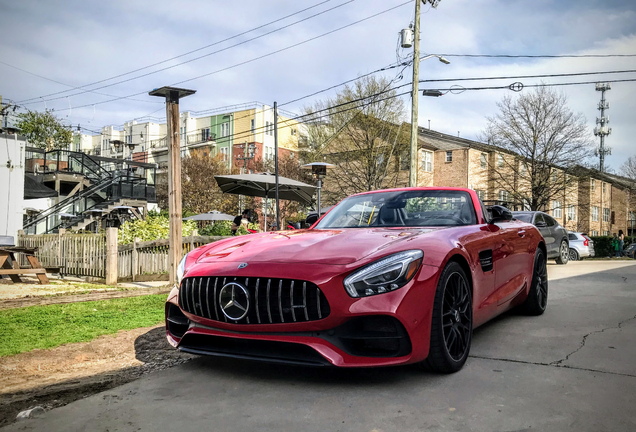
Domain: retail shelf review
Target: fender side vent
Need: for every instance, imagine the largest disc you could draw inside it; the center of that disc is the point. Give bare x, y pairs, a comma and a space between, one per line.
485, 259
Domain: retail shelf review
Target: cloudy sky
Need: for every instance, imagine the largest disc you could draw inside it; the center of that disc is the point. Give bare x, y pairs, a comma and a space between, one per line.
73, 43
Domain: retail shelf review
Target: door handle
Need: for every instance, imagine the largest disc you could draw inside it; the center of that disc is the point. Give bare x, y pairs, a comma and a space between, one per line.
521, 233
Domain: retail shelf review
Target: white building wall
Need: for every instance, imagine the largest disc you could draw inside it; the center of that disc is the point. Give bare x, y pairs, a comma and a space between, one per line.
12, 155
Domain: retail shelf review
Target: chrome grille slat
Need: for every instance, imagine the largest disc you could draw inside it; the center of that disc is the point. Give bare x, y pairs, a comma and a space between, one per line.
305, 301
216, 309
269, 308
258, 313
291, 300
200, 296
280, 300
207, 298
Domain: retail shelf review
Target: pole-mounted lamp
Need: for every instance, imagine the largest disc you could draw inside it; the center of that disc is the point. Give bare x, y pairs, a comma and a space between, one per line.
319, 170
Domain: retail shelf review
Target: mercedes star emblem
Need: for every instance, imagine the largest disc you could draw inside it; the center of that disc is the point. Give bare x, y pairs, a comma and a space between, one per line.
234, 300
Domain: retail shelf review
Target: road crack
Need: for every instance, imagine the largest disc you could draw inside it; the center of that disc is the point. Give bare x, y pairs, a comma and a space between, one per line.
584, 340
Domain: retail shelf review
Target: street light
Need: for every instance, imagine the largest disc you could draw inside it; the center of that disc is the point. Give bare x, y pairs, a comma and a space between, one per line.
319, 169
117, 144
415, 102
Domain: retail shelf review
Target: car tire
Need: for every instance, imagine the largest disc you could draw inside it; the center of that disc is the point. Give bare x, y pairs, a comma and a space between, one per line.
452, 323
537, 300
564, 253
574, 255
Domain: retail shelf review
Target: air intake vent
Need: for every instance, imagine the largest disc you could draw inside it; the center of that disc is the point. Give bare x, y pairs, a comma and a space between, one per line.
271, 301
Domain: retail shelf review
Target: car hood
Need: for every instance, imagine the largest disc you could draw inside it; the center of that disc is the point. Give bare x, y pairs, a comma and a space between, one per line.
336, 247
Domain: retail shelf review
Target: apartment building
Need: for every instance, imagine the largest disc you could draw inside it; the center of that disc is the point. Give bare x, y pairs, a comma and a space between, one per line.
590, 201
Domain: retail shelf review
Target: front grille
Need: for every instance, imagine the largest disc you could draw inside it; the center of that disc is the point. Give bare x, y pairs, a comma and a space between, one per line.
272, 301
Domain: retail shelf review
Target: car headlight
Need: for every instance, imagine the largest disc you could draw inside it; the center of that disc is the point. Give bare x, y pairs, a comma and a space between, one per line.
387, 274
181, 270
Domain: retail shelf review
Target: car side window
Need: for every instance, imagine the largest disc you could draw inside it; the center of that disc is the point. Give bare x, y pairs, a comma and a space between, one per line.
549, 221
572, 237
538, 218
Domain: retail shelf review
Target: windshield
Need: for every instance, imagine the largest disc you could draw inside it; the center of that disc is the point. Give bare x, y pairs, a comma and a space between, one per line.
421, 208
524, 217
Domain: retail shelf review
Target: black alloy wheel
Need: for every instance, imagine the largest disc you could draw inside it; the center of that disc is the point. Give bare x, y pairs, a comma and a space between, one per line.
537, 300
564, 253
574, 255
452, 324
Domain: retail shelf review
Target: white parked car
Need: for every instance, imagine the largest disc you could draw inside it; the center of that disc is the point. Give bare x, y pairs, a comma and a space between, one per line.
581, 246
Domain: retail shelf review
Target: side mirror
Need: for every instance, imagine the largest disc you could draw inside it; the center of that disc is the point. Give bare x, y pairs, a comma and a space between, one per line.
540, 224
311, 219
500, 214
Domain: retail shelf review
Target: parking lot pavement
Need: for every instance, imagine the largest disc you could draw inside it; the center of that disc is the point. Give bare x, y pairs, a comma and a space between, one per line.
571, 369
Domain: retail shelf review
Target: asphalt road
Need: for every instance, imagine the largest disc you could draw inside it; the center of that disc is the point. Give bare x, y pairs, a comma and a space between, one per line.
574, 368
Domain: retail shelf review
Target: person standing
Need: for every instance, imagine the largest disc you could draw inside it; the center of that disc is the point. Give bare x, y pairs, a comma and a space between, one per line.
614, 245
243, 218
621, 242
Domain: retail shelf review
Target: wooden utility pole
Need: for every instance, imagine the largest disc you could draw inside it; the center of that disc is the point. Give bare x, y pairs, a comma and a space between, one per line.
278, 228
172, 96
415, 97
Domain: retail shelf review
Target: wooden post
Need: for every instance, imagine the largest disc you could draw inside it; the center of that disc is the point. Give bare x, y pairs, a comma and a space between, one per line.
134, 259
111, 256
60, 259
172, 96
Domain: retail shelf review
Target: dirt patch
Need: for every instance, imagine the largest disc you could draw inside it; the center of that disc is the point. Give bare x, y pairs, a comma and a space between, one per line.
89, 296
58, 376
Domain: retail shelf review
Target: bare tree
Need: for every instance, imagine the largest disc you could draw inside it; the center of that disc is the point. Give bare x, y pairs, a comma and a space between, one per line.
360, 132
628, 169
542, 140
199, 190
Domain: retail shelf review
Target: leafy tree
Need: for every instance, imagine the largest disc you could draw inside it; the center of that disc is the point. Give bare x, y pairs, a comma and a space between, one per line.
544, 140
362, 137
45, 130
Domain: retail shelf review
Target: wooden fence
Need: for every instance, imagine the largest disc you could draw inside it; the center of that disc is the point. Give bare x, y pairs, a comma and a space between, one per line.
85, 255
149, 260
75, 254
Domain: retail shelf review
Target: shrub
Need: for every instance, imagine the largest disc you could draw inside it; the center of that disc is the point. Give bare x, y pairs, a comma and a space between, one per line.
603, 245
154, 227
224, 228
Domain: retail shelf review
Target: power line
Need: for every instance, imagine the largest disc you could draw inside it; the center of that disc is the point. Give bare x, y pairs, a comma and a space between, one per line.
206, 55
68, 85
185, 54
259, 57
520, 86
538, 55
530, 76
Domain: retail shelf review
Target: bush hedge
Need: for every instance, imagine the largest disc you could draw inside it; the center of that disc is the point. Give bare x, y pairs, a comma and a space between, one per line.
603, 245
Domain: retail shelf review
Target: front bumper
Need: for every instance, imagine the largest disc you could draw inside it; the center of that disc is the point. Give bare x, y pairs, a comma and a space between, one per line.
382, 330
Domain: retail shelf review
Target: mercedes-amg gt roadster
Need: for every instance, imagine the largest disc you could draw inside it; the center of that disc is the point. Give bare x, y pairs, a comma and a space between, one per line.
384, 278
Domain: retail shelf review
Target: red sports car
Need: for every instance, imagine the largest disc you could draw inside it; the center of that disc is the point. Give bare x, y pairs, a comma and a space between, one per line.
384, 278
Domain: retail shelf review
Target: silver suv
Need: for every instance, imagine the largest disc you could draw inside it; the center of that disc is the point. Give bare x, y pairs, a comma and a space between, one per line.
581, 246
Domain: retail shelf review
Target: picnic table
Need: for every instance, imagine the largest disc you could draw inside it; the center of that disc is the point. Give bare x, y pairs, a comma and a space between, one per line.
10, 266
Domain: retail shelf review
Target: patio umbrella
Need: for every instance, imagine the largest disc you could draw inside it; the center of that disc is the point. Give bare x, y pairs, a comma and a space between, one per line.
211, 216
264, 185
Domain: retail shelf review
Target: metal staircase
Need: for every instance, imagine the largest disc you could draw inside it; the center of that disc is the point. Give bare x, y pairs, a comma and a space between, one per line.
112, 182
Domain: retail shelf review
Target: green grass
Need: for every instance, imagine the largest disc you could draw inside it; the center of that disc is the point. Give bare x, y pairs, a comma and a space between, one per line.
25, 329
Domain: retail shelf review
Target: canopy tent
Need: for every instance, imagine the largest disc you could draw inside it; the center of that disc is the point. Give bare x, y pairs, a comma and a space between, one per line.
33, 189
214, 215
264, 185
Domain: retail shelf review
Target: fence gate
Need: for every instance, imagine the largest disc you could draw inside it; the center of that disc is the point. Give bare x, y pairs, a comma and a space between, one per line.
75, 254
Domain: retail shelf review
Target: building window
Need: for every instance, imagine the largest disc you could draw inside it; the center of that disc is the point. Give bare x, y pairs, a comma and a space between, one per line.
225, 129
269, 128
594, 213
606, 233
594, 233
606, 215
526, 204
553, 177
571, 213
483, 161
427, 161
225, 153
593, 185
253, 125
205, 134
500, 160
449, 156
293, 131
523, 167
481, 194
556, 209
632, 220
504, 196
603, 186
